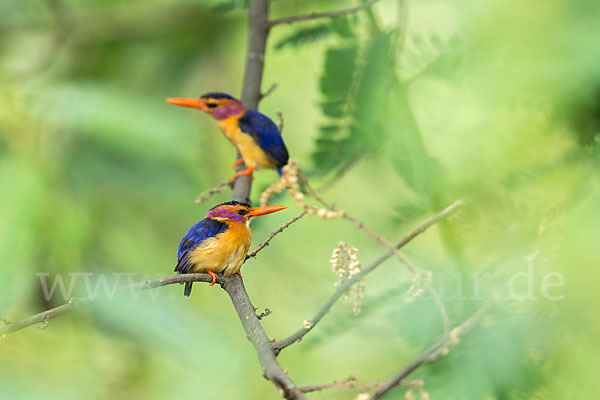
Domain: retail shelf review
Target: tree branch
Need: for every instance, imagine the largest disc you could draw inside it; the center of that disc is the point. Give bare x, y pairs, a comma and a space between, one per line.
258, 31
381, 239
340, 172
10, 327
275, 233
344, 286
308, 17
257, 336
207, 194
349, 383
270, 90
432, 353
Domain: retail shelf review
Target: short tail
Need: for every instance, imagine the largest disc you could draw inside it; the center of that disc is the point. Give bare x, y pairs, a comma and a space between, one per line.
188, 289
280, 171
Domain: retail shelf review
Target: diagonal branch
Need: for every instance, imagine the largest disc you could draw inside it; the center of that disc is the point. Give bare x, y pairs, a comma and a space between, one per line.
308, 17
258, 337
433, 352
207, 194
347, 383
275, 233
350, 384
344, 286
381, 239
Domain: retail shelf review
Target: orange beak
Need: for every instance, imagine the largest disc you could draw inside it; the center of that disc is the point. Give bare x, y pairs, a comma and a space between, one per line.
194, 103
256, 211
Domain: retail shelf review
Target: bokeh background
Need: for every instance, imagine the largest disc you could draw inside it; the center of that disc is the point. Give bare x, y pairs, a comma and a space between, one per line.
419, 102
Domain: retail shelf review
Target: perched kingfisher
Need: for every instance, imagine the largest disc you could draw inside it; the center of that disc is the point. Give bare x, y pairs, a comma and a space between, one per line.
219, 242
255, 135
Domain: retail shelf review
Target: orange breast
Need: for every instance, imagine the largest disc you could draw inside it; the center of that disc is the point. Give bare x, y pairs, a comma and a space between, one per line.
225, 252
251, 152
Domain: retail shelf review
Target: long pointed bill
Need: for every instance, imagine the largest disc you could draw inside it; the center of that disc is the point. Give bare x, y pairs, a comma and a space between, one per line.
256, 211
194, 103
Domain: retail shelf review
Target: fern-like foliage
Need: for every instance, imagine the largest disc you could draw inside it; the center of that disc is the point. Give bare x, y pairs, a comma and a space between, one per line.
354, 89
367, 111
365, 103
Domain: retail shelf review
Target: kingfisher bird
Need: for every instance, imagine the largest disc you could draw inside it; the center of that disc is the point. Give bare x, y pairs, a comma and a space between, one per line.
255, 135
220, 241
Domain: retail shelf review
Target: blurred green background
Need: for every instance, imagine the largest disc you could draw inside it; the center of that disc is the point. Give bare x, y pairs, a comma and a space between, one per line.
421, 102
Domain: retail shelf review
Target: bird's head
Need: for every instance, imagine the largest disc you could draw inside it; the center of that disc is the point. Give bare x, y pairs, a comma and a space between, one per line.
219, 105
240, 212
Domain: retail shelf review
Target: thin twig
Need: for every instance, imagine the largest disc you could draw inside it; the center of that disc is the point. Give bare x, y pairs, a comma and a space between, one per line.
207, 194
345, 285
433, 352
280, 116
355, 221
308, 17
73, 303
381, 239
349, 384
265, 313
275, 233
269, 90
344, 384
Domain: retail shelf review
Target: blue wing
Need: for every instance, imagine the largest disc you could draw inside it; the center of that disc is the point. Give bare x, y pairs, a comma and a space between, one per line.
266, 134
201, 231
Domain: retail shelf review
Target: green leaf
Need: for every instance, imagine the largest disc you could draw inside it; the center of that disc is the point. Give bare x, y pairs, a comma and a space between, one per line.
354, 85
367, 112
305, 36
342, 25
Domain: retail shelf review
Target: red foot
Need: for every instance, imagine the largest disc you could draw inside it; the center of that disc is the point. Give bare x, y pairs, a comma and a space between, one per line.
214, 277
238, 162
239, 273
247, 171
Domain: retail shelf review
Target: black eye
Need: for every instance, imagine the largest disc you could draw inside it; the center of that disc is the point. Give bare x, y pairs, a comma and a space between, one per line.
212, 105
242, 212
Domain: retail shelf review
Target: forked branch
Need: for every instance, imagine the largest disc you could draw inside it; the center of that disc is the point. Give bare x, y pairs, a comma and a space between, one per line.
345, 285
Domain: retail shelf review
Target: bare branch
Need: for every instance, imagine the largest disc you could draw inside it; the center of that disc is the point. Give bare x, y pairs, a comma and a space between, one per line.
345, 285
207, 194
73, 303
349, 384
308, 17
280, 116
345, 384
269, 90
234, 287
381, 239
265, 313
433, 352
275, 233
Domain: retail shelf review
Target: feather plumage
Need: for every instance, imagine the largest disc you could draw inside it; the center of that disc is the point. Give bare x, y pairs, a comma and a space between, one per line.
197, 236
266, 134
